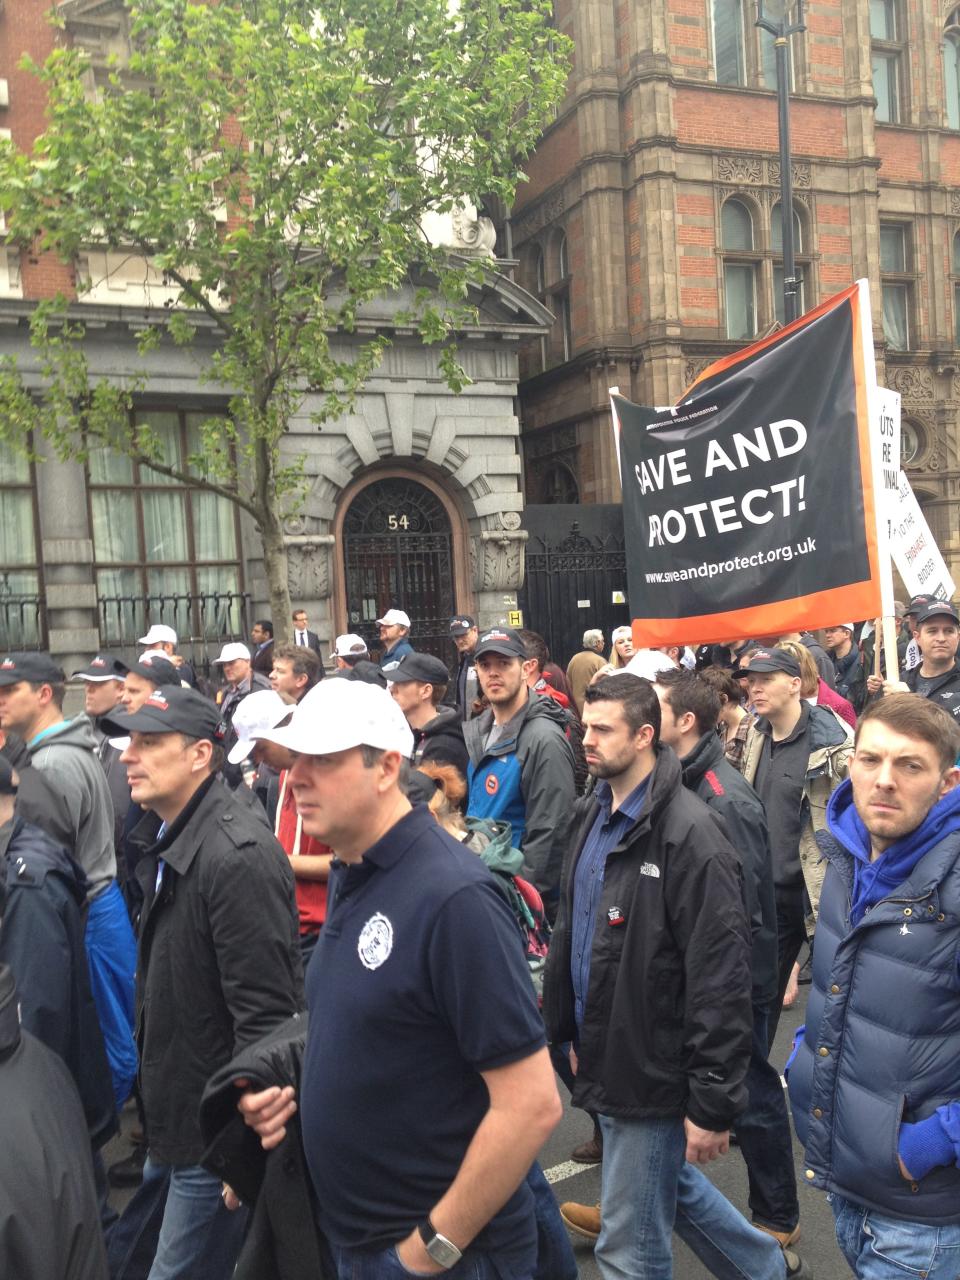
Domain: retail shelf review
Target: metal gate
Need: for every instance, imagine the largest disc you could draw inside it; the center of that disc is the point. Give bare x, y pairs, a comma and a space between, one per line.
573, 581
397, 555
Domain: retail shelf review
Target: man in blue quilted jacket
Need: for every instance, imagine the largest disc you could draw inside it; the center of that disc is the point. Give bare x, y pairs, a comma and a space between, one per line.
875, 1082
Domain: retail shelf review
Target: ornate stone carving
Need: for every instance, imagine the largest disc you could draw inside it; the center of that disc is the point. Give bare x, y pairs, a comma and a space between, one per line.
549, 441
510, 519
474, 234
693, 369
739, 168
802, 175
499, 560
308, 570
548, 211
955, 202
912, 383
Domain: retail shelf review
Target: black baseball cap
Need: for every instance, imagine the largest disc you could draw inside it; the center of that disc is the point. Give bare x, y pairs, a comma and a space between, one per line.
99, 670
153, 666
423, 667
169, 710
461, 623
774, 660
919, 603
939, 609
37, 668
501, 640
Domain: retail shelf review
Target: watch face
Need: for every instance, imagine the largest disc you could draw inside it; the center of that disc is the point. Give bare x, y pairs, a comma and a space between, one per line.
443, 1251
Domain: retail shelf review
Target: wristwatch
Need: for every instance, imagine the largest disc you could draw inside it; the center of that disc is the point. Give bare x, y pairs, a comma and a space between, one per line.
443, 1251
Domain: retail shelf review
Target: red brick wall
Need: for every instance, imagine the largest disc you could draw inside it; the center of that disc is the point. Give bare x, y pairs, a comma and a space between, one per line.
24, 29
712, 117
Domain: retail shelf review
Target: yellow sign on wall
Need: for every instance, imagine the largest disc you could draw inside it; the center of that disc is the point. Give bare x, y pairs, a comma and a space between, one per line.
515, 618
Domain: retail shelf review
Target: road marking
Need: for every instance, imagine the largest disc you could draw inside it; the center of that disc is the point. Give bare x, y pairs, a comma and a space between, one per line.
569, 1169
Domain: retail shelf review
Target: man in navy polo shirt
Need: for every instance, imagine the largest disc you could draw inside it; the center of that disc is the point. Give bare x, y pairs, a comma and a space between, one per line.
426, 1089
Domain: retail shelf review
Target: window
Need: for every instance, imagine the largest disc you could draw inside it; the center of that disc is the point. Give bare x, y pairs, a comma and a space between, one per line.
728, 42
801, 267
739, 270
560, 304
951, 69
540, 289
895, 287
20, 595
887, 53
956, 289
161, 548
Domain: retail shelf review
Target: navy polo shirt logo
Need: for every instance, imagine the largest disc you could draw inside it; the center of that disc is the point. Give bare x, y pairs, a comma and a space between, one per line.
375, 942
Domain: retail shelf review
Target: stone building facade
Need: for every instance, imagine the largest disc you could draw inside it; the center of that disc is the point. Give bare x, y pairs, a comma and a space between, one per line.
413, 501
651, 223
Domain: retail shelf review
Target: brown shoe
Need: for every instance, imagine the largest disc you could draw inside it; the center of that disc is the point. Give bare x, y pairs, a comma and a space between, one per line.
588, 1152
584, 1219
785, 1239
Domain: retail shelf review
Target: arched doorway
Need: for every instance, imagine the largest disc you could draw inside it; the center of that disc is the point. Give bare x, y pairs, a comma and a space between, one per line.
398, 553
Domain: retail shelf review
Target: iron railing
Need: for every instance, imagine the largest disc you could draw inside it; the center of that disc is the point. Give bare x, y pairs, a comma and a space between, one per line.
22, 623
203, 623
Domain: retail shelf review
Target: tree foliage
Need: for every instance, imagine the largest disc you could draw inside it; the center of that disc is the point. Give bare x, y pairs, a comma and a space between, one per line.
275, 160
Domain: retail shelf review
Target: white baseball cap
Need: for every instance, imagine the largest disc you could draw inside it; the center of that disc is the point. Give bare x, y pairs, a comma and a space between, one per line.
339, 714
394, 618
257, 712
648, 663
230, 652
846, 626
159, 634
349, 646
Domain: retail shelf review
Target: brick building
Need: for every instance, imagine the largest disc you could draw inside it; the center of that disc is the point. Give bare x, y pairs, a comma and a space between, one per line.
651, 223
414, 499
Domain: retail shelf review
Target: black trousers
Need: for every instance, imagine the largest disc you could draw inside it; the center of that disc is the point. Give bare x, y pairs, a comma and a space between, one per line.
791, 935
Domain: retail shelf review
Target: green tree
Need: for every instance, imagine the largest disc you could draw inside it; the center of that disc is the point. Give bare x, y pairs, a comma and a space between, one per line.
275, 159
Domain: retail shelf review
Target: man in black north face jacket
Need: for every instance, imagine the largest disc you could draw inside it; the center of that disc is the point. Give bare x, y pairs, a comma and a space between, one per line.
648, 977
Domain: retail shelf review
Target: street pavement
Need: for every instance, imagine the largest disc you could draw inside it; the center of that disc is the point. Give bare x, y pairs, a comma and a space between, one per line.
582, 1182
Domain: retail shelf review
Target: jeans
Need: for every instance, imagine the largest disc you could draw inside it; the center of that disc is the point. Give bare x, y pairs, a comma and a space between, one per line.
354, 1264
132, 1240
649, 1191
555, 1257
791, 935
199, 1236
879, 1248
763, 1132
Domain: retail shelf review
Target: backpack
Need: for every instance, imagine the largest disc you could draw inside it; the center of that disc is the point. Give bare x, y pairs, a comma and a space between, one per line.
490, 839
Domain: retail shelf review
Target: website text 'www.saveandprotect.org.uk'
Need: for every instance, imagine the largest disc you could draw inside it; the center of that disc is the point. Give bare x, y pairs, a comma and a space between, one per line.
711, 568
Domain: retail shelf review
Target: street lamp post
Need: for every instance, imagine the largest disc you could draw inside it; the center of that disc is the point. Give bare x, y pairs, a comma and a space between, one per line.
775, 16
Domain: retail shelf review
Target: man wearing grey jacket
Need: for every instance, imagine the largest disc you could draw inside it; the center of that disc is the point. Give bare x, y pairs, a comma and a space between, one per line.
521, 765
32, 689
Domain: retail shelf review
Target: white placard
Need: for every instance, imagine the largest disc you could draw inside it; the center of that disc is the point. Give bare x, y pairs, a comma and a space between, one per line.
886, 441
914, 551
583, 604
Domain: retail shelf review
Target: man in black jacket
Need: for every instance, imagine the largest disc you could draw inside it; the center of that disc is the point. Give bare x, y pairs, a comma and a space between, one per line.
218, 960
649, 977
48, 1208
690, 709
418, 685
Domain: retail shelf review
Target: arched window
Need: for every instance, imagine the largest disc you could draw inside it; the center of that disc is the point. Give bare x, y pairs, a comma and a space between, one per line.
739, 270
799, 249
728, 42
951, 69
561, 301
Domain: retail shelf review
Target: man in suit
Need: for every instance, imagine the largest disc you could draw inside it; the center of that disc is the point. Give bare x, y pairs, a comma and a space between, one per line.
262, 637
302, 635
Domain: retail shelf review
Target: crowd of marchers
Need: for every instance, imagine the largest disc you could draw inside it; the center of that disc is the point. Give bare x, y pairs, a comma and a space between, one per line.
333, 925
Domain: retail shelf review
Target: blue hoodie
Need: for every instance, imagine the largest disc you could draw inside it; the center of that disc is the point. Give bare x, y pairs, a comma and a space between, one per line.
936, 1140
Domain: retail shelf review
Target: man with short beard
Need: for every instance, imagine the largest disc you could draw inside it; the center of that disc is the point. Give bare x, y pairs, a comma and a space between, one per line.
521, 766
660, 1019
874, 1084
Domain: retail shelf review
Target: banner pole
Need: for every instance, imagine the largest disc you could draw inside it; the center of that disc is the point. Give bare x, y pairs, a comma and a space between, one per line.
611, 392
888, 628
